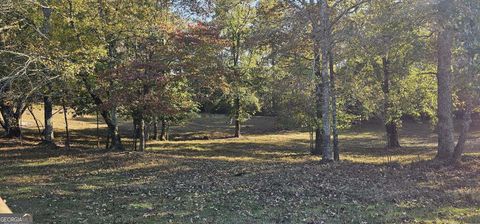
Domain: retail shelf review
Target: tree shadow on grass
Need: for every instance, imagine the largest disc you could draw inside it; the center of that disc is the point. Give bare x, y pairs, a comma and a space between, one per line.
254, 150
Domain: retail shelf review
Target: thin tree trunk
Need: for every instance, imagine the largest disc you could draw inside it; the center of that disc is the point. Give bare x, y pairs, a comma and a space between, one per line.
147, 132
135, 133
325, 46
167, 132
48, 134
141, 128
318, 100
98, 129
236, 59
312, 140
336, 150
36, 120
67, 140
237, 117
444, 78
391, 127
155, 128
20, 126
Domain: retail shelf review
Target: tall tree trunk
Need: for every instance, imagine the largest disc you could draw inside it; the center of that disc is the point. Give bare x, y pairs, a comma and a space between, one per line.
236, 60
141, 129
48, 134
444, 80
135, 133
317, 150
155, 128
326, 148
325, 46
391, 126
336, 150
237, 117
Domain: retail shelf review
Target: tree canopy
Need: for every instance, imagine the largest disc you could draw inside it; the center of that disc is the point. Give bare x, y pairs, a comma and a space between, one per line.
318, 66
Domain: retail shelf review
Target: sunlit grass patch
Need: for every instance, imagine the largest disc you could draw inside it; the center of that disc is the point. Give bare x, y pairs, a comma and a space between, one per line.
141, 206
88, 187
52, 161
25, 190
388, 158
450, 215
28, 178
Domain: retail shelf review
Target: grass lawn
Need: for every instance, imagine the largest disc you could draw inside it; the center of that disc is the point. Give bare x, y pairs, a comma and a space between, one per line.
267, 176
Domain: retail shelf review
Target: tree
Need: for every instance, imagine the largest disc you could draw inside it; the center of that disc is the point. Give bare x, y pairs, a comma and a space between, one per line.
18, 79
444, 79
467, 70
48, 133
107, 34
457, 49
323, 18
236, 18
392, 41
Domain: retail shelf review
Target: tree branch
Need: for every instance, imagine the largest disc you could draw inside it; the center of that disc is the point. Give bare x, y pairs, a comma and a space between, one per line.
347, 11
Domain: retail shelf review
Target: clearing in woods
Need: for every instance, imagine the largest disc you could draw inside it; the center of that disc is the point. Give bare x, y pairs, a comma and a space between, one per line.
267, 176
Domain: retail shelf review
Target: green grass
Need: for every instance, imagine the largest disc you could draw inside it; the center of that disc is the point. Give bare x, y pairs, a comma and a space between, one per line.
267, 176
